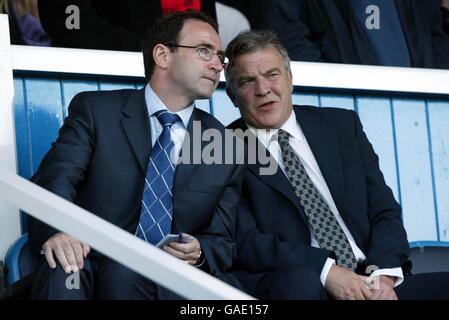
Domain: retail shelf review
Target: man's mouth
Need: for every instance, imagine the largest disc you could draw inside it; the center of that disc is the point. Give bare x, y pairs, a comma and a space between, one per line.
266, 106
211, 79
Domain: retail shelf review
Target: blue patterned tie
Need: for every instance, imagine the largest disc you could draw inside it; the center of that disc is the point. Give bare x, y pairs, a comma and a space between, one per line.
157, 199
322, 221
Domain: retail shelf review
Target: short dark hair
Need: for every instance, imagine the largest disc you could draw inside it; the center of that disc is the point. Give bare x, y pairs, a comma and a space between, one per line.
252, 41
166, 30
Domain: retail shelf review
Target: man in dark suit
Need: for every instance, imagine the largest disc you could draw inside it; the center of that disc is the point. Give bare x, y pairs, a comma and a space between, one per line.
317, 226
403, 33
110, 24
113, 157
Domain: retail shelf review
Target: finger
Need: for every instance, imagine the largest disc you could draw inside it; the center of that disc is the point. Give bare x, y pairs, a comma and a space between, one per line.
181, 247
173, 252
364, 279
367, 293
70, 255
78, 250
193, 256
359, 295
86, 250
191, 253
377, 293
182, 256
49, 256
60, 255
384, 295
389, 295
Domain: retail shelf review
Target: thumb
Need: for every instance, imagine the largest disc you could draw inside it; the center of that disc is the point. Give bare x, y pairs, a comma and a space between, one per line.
86, 250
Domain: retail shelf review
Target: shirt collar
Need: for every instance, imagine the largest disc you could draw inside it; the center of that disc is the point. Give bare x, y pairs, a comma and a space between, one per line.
154, 104
265, 136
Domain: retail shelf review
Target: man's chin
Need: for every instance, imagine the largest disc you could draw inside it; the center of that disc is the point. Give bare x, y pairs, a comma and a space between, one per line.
205, 94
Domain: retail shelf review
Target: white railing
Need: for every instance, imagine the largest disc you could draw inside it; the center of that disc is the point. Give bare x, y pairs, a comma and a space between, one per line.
305, 74
9, 216
114, 242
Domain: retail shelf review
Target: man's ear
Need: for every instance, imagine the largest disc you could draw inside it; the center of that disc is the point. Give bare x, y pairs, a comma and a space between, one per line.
161, 55
231, 96
291, 81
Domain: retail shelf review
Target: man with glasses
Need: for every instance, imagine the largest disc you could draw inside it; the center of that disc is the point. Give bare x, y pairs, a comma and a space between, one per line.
113, 157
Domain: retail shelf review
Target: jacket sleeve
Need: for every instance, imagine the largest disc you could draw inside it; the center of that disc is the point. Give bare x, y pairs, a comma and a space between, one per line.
217, 242
63, 167
262, 252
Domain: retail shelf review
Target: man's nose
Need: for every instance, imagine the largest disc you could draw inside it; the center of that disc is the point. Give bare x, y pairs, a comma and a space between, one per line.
216, 63
262, 87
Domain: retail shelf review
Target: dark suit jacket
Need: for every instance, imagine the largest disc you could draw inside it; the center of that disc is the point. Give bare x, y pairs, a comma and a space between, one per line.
272, 227
99, 162
105, 24
320, 30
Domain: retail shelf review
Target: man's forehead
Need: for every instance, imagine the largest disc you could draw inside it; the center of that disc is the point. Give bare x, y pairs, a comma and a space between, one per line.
201, 32
260, 60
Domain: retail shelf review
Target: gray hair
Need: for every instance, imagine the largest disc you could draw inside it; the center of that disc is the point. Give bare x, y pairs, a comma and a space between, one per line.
252, 41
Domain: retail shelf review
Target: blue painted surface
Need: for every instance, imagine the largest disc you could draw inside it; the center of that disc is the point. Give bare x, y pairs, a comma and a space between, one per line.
410, 135
438, 125
12, 259
414, 169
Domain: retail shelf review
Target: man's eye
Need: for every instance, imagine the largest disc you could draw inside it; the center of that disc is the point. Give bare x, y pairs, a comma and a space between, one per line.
245, 81
273, 74
203, 50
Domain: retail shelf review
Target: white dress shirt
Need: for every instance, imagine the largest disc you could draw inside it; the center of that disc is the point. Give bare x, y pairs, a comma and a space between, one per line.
177, 131
302, 149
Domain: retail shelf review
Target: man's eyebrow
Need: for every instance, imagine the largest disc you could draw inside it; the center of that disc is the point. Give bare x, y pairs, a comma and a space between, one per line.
271, 70
246, 77
205, 44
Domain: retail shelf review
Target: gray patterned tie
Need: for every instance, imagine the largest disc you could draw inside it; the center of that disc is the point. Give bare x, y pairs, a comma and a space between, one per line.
325, 226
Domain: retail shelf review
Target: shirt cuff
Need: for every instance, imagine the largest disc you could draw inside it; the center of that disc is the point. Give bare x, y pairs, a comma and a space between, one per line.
327, 267
392, 272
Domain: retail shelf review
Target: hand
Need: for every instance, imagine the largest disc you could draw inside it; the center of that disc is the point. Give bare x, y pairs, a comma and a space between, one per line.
385, 289
69, 251
190, 251
344, 284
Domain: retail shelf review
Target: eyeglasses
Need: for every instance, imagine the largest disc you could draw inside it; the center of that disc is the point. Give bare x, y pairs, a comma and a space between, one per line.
205, 53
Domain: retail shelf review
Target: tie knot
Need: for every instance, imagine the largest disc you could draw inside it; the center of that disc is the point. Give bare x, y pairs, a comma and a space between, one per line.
166, 118
283, 137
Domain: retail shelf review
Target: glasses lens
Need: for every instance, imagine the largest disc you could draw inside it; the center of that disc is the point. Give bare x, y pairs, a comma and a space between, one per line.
205, 53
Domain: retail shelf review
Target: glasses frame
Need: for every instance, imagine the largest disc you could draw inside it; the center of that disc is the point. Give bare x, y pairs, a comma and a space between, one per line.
221, 55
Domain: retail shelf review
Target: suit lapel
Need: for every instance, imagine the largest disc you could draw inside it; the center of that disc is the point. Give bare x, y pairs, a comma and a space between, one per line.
277, 181
136, 126
323, 141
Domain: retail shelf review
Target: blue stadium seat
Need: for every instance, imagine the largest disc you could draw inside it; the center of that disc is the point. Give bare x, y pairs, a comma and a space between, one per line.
19, 261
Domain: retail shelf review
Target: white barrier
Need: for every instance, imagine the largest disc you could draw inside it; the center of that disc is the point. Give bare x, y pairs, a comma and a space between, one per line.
114, 242
305, 74
9, 216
